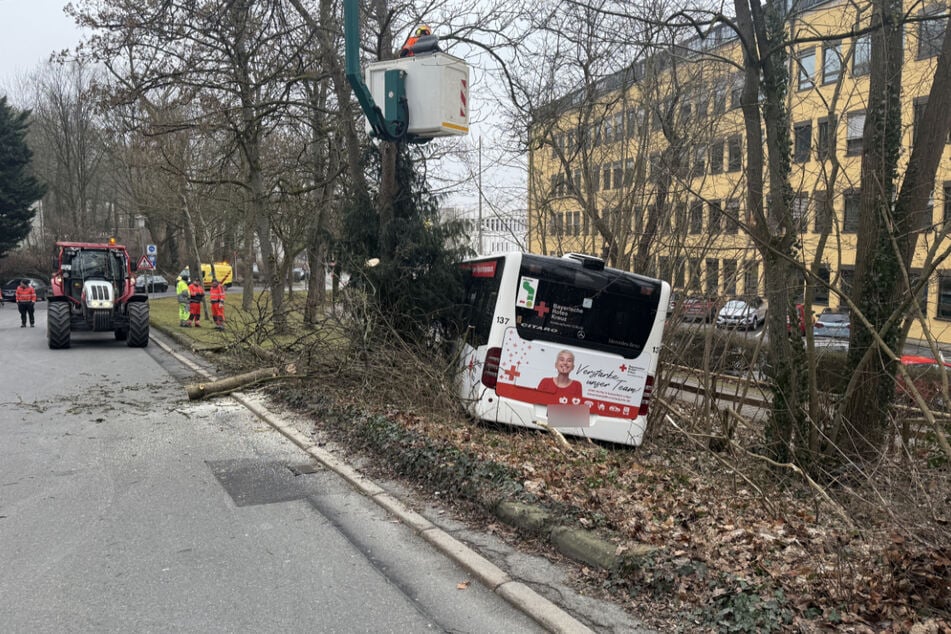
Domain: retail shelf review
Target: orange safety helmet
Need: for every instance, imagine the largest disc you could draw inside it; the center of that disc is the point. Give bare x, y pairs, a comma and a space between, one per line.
423, 30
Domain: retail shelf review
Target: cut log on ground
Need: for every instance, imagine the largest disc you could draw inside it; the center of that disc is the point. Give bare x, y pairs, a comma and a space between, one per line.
227, 385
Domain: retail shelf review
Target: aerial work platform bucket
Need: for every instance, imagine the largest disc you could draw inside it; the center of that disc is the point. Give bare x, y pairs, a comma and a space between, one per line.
437, 93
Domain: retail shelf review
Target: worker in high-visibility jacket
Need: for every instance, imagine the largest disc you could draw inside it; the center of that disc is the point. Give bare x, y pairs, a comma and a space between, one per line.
181, 293
407, 49
218, 304
196, 293
26, 300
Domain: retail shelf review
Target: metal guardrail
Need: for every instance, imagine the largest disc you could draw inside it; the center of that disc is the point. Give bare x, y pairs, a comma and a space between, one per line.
686, 383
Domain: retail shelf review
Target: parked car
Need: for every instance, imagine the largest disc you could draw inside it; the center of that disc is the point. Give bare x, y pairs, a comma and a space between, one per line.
150, 284
9, 289
833, 323
697, 308
674, 304
742, 313
925, 376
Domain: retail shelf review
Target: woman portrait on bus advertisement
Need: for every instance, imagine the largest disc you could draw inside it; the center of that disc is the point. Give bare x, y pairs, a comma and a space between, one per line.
562, 386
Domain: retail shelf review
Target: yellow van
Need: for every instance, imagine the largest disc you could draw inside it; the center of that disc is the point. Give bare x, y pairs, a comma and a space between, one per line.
223, 272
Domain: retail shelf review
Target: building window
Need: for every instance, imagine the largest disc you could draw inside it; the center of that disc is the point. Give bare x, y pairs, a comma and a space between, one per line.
862, 55
680, 216
629, 173
751, 279
696, 217
716, 217
831, 62
663, 268
574, 223
735, 151
703, 105
716, 157
946, 208
850, 218
729, 277
657, 123
799, 209
944, 296
802, 134
606, 181
618, 175
732, 216
736, 93
679, 274
557, 224
824, 213
713, 277
699, 160
595, 179
931, 32
654, 165
719, 98
826, 141
855, 127
806, 63
820, 293
694, 282
685, 108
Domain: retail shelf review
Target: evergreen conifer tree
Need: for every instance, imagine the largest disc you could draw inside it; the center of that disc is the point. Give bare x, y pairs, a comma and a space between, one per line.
19, 189
419, 284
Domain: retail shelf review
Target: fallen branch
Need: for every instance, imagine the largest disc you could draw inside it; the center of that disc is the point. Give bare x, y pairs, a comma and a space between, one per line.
554, 432
196, 391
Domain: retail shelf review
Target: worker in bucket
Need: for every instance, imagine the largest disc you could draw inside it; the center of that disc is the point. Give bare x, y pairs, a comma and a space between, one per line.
407, 50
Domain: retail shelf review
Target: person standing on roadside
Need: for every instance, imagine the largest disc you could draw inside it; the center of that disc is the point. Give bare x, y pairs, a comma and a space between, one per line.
26, 300
196, 293
181, 291
218, 304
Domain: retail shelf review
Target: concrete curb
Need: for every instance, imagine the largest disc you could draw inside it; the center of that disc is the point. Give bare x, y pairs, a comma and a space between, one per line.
541, 610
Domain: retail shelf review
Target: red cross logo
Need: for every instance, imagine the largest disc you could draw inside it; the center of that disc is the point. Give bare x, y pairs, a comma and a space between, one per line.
623, 368
471, 366
542, 309
512, 373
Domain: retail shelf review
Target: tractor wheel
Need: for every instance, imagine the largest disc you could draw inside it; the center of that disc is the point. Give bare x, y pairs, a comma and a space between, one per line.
57, 325
138, 325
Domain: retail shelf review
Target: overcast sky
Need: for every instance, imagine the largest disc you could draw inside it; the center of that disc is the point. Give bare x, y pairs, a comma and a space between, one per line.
29, 31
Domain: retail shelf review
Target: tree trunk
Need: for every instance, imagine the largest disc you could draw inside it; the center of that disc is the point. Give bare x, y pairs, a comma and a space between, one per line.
877, 265
196, 391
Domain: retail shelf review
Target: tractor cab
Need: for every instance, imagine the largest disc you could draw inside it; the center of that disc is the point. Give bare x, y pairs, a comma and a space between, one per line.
81, 267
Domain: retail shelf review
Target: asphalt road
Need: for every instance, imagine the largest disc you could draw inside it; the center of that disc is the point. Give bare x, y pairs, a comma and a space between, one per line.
125, 507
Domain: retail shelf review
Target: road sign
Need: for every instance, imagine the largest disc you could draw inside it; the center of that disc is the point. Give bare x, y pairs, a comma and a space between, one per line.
152, 260
151, 250
145, 264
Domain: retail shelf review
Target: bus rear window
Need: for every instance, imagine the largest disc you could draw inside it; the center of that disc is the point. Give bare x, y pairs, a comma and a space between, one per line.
603, 310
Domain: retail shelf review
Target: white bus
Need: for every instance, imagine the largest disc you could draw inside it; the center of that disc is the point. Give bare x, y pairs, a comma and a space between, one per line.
562, 341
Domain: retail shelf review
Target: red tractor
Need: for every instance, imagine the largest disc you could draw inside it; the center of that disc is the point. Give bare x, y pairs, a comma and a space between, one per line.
93, 289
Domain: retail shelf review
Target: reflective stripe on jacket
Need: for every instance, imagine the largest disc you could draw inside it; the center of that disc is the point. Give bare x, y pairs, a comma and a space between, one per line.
218, 294
27, 294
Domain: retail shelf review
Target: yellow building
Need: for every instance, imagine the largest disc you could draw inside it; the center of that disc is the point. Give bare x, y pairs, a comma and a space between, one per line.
659, 149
